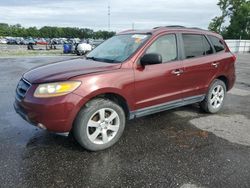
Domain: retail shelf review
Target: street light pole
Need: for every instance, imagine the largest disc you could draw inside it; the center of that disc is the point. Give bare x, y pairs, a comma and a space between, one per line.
108, 17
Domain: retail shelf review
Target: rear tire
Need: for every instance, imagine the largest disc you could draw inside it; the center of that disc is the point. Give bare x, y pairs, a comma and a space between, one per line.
99, 125
215, 97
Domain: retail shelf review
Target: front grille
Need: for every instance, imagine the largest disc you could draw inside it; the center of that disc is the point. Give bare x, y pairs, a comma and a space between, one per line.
22, 88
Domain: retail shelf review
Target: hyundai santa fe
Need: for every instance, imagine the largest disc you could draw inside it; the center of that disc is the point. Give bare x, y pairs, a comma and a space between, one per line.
133, 74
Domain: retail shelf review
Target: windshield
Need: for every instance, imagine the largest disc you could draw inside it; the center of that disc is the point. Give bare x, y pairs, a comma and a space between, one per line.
118, 48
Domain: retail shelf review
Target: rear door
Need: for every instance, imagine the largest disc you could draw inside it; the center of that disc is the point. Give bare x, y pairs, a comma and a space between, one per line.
199, 64
159, 83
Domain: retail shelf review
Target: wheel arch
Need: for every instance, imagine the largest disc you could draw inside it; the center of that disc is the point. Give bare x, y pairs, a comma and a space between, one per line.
224, 79
115, 97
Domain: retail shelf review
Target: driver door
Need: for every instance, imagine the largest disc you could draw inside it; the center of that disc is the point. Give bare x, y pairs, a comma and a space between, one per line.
160, 84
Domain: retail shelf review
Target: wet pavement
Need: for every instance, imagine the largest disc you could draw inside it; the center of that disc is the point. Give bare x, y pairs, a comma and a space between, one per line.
178, 148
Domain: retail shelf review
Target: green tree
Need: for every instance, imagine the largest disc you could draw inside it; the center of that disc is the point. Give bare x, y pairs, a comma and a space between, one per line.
240, 22
3, 29
216, 24
52, 32
238, 14
32, 32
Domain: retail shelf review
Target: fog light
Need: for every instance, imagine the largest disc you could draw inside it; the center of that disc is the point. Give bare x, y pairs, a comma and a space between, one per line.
41, 126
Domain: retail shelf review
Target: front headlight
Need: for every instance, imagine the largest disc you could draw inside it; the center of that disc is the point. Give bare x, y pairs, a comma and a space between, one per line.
56, 89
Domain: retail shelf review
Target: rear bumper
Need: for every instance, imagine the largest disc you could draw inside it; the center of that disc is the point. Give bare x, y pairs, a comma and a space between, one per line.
54, 114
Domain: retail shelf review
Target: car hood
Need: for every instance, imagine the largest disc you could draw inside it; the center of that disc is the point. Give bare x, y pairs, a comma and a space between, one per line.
65, 70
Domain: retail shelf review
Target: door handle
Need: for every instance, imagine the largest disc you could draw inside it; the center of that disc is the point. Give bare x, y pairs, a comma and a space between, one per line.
177, 72
215, 64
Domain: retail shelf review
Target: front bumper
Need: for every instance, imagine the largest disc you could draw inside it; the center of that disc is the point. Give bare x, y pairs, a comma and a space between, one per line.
21, 112
55, 114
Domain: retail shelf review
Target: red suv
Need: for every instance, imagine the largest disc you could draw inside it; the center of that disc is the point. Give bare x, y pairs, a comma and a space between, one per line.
130, 75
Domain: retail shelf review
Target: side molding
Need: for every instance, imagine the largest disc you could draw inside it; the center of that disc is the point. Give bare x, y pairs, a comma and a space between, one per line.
165, 106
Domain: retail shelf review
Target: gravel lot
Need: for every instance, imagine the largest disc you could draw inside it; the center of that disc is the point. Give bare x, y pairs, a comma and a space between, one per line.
21, 50
178, 148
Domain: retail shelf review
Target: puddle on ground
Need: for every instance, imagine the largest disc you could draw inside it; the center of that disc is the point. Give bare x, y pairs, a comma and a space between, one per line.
184, 137
234, 128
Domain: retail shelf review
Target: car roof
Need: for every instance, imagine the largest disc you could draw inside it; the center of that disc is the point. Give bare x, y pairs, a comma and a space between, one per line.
161, 29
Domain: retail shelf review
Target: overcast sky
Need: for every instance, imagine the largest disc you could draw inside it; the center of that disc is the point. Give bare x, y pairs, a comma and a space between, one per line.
94, 13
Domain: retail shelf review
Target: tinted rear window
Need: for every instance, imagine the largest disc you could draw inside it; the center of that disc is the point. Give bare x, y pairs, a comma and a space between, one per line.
217, 43
196, 45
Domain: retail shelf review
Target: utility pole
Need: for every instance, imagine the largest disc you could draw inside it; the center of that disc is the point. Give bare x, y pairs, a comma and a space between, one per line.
108, 17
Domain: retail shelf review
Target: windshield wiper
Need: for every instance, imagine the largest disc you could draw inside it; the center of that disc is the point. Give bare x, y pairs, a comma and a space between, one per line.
103, 59
92, 58
109, 60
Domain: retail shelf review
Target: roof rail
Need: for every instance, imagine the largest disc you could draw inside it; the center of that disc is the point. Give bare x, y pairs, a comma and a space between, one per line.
178, 26
157, 27
196, 28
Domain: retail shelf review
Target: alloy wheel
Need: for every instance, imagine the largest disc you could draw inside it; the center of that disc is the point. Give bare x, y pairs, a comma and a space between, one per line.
103, 126
217, 96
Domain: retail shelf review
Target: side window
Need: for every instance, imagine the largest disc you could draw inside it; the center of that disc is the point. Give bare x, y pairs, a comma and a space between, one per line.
217, 43
165, 46
207, 47
196, 45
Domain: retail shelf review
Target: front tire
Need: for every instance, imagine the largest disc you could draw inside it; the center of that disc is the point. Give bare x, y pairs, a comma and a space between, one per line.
215, 97
99, 125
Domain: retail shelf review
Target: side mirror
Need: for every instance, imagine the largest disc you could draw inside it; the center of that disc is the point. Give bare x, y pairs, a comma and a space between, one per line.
151, 59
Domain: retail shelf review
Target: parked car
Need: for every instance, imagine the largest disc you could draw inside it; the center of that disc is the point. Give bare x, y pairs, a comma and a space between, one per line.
133, 74
11, 41
18, 40
30, 41
21, 41
3, 41
42, 41
24, 42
